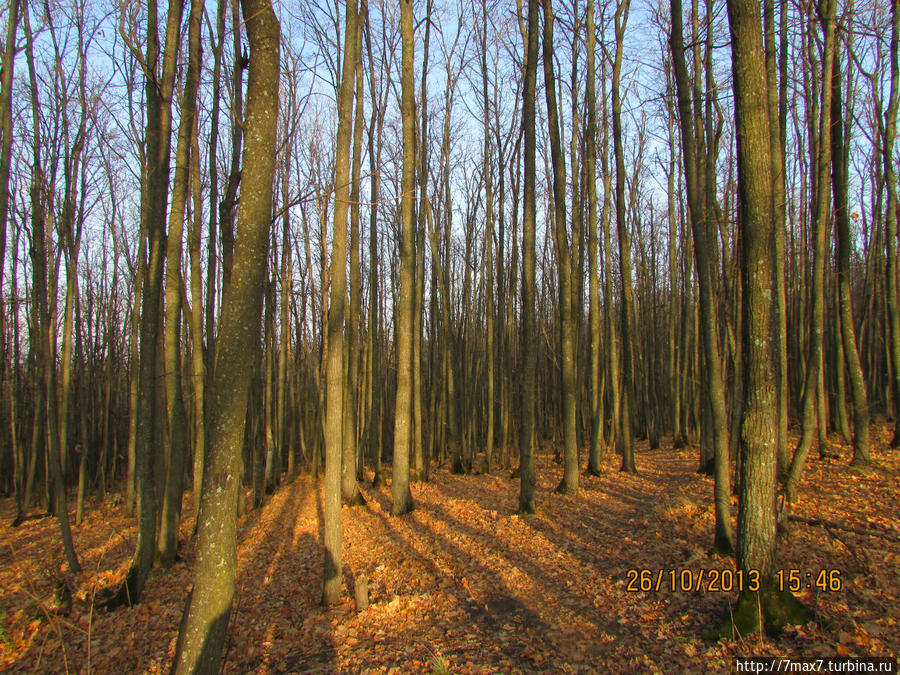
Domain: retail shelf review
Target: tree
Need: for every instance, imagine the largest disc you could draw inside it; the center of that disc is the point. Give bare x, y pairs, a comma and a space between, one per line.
334, 373
47, 412
704, 244
402, 497
812, 385
590, 170
6, 121
177, 420
569, 484
527, 478
627, 300
890, 173
839, 180
201, 636
756, 514
154, 196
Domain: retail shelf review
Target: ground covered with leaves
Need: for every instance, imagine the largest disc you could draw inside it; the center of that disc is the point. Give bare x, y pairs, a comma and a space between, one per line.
463, 585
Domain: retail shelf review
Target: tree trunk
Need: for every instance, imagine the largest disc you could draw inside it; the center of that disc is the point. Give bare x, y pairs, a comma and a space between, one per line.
47, 414
627, 306
334, 364
756, 514
569, 484
590, 174
401, 496
177, 420
890, 174
527, 478
351, 463
858, 395
816, 329
704, 243
201, 636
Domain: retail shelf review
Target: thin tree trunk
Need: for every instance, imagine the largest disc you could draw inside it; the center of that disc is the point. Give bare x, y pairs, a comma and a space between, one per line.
890, 174
858, 395
177, 418
704, 242
349, 488
590, 175
625, 422
814, 359
569, 484
334, 364
45, 329
527, 478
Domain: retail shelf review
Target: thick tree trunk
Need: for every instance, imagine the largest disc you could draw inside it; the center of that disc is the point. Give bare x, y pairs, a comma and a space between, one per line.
400, 494
756, 515
201, 636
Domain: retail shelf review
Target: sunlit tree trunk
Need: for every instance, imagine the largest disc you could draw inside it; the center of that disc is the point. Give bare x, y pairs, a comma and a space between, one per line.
177, 420
334, 364
767, 608
350, 493
202, 633
402, 498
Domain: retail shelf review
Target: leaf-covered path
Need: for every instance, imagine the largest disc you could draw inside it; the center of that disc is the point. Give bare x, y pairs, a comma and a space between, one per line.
464, 583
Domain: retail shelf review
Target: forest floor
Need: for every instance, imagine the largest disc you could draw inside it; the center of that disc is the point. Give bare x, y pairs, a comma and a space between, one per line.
462, 585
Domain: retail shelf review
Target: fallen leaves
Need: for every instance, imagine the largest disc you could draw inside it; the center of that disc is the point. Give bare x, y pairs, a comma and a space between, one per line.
463, 585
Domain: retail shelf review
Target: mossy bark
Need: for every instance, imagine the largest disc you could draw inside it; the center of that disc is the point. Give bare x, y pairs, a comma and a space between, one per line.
767, 610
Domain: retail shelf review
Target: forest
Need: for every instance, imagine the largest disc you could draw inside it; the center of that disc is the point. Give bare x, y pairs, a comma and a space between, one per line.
448, 336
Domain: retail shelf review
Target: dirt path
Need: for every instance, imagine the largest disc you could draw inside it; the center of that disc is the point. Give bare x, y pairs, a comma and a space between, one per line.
464, 583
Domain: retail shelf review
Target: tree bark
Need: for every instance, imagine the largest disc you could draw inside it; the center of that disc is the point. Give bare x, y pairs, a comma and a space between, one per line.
858, 395
756, 514
627, 301
177, 419
527, 478
402, 501
201, 636
569, 484
334, 365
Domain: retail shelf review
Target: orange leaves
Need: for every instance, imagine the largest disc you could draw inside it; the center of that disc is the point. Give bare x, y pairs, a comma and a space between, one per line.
464, 581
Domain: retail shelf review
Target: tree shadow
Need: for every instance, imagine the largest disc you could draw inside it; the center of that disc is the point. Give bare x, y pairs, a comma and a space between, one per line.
274, 623
499, 618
